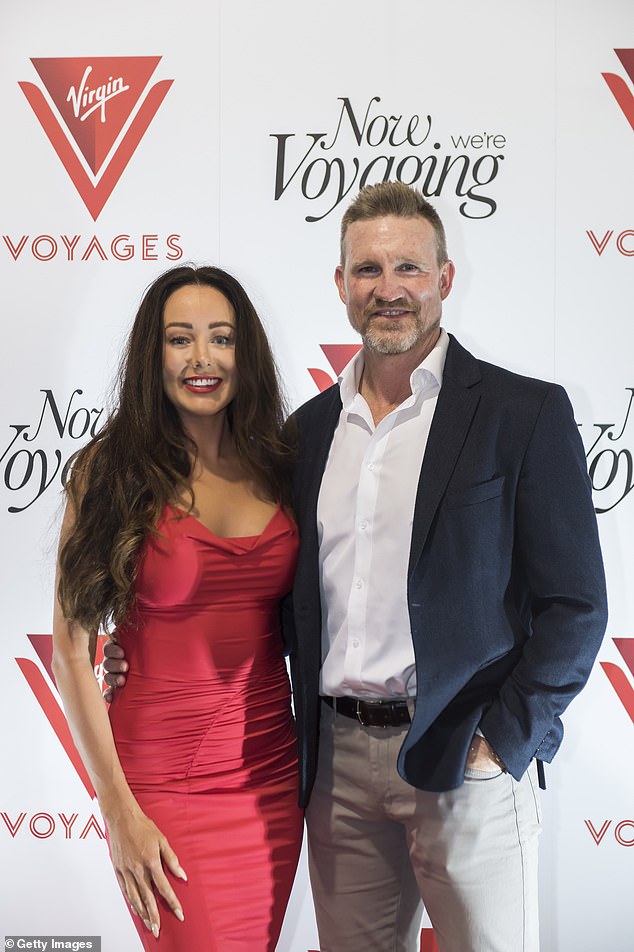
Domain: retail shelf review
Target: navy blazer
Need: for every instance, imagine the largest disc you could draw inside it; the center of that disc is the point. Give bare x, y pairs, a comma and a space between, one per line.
506, 590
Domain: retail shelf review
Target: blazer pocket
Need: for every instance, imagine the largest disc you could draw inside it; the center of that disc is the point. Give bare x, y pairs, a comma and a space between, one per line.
475, 494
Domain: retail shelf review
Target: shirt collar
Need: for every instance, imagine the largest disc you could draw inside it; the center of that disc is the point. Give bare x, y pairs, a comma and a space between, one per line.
427, 374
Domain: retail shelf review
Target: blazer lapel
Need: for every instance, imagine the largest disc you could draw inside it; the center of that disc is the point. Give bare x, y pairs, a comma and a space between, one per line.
457, 401
316, 441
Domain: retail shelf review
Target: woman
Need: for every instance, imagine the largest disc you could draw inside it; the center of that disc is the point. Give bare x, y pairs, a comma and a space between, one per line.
175, 535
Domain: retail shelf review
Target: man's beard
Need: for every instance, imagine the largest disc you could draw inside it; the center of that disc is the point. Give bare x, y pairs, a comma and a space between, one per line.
384, 341
386, 335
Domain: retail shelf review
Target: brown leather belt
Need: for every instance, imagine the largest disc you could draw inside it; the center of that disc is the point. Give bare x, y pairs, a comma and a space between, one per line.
371, 713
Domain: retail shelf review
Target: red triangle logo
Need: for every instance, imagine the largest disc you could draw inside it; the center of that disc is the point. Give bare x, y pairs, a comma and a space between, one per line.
95, 97
620, 90
339, 355
617, 677
43, 645
627, 59
105, 110
626, 647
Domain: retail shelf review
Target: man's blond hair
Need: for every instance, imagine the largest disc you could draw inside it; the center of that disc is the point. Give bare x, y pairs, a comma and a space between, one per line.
393, 198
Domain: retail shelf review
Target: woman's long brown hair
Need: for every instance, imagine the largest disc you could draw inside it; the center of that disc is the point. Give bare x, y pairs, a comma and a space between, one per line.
142, 458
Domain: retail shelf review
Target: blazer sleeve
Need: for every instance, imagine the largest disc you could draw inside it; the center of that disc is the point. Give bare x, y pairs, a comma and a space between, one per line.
557, 551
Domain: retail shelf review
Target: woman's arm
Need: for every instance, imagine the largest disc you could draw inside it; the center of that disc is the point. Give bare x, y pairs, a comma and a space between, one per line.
138, 847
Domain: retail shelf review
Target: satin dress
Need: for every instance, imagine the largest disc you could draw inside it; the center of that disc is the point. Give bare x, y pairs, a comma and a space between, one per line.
205, 733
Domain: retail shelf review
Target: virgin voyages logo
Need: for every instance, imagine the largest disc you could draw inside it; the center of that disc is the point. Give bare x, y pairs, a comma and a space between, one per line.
620, 90
618, 678
43, 647
42, 824
101, 109
337, 355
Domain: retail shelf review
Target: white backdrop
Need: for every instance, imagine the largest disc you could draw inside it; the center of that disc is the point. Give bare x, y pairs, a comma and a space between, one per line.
261, 117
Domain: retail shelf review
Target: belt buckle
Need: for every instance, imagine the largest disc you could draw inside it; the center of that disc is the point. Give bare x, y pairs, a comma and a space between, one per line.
382, 722
358, 714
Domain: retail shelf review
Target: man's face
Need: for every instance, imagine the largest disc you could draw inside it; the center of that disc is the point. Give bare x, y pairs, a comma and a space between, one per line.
392, 284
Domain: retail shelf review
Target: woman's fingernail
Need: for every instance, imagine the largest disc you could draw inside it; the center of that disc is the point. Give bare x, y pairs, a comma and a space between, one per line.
179, 915
155, 931
182, 873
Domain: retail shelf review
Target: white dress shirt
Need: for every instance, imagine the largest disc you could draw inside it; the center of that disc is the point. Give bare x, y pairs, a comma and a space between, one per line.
364, 520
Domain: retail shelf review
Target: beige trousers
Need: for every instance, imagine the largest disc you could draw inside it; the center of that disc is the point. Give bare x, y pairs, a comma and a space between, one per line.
379, 849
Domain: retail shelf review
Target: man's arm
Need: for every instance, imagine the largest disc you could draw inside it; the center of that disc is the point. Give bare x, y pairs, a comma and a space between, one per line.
557, 548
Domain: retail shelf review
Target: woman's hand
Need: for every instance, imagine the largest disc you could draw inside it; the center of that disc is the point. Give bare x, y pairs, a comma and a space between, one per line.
139, 851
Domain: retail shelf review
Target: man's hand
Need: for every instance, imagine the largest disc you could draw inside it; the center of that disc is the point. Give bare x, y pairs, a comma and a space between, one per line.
116, 668
481, 755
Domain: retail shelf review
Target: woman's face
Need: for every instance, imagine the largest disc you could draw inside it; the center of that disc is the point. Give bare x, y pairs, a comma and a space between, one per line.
199, 366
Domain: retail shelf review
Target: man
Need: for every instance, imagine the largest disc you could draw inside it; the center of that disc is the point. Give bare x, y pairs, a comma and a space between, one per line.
450, 570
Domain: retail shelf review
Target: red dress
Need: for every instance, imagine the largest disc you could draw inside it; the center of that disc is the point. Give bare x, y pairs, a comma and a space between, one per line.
204, 729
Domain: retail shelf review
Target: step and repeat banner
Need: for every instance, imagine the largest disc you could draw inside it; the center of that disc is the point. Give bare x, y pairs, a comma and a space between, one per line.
138, 136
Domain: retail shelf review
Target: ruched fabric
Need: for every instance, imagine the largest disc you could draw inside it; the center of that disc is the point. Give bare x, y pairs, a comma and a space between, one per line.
204, 728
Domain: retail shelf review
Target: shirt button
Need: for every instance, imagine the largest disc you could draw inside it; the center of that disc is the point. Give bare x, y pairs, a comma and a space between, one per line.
370, 466
355, 643
358, 583
363, 525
